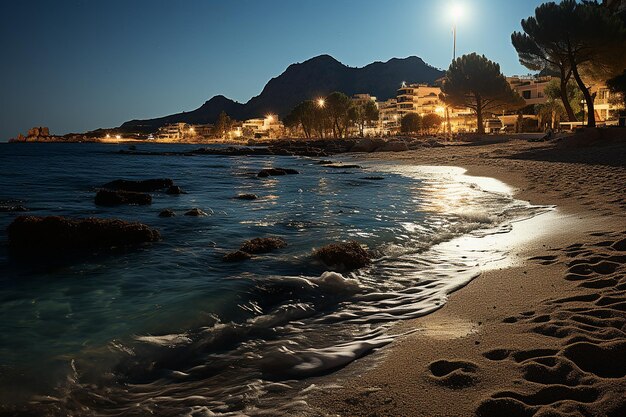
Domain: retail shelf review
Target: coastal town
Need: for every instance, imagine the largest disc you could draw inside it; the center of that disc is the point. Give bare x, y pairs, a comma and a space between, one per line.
536, 115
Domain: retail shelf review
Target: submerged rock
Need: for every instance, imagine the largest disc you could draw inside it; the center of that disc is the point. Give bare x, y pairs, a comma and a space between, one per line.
263, 245
55, 233
167, 213
271, 172
345, 256
246, 197
117, 197
195, 212
175, 190
145, 186
236, 256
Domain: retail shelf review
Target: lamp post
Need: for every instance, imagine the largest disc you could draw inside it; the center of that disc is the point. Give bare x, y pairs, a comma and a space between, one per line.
456, 12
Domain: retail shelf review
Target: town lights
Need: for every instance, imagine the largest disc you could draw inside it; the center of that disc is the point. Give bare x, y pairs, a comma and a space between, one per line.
107, 136
321, 103
439, 109
269, 118
118, 137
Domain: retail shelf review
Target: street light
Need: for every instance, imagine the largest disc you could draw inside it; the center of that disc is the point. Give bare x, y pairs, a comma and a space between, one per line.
321, 103
456, 12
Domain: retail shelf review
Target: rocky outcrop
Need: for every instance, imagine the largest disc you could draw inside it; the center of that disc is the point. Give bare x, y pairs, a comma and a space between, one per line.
196, 212
145, 186
53, 233
117, 198
246, 197
167, 213
175, 190
393, 146
367, 145
345, 256
236, 256
263, 245
272, 172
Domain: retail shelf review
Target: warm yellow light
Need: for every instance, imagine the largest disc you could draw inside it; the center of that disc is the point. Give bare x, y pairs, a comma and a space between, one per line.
108, 136
192, 130
321, 102
269, 118
118, 137
456, 12
439, 109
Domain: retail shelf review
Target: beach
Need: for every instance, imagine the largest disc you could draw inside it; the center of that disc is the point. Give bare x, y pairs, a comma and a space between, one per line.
543, 335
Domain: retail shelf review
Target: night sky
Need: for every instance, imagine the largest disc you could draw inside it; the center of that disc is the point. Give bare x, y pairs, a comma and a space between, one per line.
79, 65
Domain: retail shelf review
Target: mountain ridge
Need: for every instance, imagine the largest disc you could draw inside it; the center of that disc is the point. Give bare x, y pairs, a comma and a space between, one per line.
315, 77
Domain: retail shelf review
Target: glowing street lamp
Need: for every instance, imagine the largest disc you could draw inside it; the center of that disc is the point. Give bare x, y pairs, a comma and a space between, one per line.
118, 137
321, 103
440, 109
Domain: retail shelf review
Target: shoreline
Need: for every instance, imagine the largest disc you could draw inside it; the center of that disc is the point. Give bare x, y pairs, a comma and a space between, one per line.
473, 356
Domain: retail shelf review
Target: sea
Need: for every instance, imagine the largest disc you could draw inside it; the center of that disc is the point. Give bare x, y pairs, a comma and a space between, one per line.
170, 329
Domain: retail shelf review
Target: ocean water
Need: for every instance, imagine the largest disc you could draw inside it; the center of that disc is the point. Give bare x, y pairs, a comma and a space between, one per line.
170, 329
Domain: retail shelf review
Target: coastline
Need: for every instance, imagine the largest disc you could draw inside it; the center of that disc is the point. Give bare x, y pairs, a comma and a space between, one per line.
490, 348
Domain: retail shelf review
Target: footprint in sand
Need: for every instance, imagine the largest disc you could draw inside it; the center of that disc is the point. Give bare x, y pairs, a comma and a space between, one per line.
586, 375
454, 374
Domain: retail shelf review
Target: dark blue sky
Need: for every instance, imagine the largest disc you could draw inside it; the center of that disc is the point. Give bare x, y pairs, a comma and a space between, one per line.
77, 65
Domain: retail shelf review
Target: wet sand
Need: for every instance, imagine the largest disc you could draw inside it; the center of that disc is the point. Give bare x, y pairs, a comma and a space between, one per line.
544, 335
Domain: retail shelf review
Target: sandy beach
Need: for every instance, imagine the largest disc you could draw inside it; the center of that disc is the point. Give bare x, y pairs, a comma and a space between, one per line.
544, 335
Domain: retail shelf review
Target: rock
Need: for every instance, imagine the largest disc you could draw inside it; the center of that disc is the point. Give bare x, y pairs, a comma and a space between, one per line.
236, 256
324, 162
55, 233
343, 256
175, 190
374, 178
195, 212
116, 198
271, 172
367, 145
263, 245
167, 213
145, 186
246, 197
394, 146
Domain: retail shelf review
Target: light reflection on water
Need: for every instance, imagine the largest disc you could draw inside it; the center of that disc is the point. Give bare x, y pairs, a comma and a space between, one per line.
171, 328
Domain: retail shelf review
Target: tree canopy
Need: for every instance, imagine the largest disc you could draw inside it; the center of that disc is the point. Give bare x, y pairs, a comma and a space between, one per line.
577, 39
475, 82
411, 123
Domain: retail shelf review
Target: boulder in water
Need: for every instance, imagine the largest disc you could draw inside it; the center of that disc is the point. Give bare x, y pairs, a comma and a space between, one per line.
271, 172
345, 256
54, 233
195, 212
145, 186
167, 213
236, 256
263, 245
118, 197
174, 190
246, 197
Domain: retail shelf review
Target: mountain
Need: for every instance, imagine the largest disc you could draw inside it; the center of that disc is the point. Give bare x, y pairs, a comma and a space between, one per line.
316, 77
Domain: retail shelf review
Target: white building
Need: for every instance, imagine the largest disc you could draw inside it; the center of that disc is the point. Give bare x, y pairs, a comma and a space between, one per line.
269, 127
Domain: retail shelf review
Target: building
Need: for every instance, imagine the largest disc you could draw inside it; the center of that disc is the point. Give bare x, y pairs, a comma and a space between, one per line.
607, 105
362, 99
388, 118
268, 127
530, 88
175, 132
418, 98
